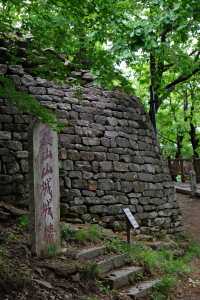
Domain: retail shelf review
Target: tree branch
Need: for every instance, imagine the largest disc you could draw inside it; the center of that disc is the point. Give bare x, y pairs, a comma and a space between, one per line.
183, 77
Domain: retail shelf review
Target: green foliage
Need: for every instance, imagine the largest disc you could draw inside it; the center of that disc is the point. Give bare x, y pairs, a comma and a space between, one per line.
176, 116
52, 250
92, 234
78, 92
90, 271
130, 45
192, 251
67, 232
23, 222
26, 103
162, 289
103, 288
11, 237
163, 261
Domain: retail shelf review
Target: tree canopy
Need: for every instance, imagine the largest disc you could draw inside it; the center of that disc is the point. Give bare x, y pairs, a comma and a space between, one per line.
149, 47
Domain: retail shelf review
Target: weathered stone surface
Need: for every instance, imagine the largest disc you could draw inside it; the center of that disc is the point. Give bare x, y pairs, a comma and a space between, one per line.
105, 184
28, 80
110, 263
107, 150
45, 191
55, 92
68, 165
37, 90
24, 166
13, 167
79, 209
142, 290
99, 209
22, 154
122, 277
5, 135
16, 69
91, 141
91, 253
84, 155
120, 166
106, 166
3, 69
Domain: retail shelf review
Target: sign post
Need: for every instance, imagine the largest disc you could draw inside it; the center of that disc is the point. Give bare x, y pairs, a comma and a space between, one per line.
45, 205
130, 223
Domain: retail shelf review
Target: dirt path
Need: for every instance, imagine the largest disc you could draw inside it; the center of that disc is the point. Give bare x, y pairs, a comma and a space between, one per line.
189, 289
190, 208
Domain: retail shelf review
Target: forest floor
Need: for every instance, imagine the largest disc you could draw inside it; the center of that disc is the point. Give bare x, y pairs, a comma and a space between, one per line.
23, 277
189, 289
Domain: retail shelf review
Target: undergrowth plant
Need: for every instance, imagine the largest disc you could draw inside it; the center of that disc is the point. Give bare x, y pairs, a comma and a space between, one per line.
163, 262
67, 232
90, 271
23, 222
162, 289
27, 103
93, 233
90, 234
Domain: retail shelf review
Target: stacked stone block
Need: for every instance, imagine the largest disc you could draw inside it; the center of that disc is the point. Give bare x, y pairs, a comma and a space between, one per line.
109, 157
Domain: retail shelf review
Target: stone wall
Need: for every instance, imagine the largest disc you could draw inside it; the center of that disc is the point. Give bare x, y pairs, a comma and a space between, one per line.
108, 154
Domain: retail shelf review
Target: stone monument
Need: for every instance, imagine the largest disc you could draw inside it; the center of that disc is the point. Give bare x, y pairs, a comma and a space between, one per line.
45, 206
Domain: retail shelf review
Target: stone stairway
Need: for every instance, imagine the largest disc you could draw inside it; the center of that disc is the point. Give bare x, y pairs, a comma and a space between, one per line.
116, 271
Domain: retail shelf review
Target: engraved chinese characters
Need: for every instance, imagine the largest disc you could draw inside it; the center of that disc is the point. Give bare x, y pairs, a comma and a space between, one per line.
46, 190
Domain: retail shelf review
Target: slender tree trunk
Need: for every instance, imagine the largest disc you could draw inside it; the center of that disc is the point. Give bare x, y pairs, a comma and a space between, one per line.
179, 142
152, 109
156, 73
193, 134
153, 103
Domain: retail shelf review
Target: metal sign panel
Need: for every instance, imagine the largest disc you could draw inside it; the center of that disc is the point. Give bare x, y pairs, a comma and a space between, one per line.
131, 218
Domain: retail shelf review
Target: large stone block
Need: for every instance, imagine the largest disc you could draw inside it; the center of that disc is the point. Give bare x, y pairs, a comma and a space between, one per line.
73, 155
84, 155
122, 142
3, 69
120, 166
80, 209
35, 90
22, 154
4, 179
99, 209
14, 145
105, 184
6, 189
28, 80
5, 135
106, 166
55, 92
91, 141
68, 165
13, 167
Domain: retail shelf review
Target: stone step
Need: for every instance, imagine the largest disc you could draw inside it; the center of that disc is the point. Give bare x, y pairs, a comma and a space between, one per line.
111, 263
123, 277
91, 253
140, 290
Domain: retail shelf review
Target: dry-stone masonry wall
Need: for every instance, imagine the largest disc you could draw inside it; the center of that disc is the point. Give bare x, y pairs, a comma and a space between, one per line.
108, 154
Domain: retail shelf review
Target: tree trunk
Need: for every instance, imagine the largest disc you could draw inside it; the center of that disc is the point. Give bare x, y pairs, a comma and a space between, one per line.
179, 142
153, 103
152, 108
193, 134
